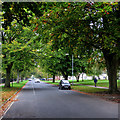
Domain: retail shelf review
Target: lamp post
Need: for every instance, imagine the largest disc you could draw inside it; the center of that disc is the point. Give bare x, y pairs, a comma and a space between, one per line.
72, 69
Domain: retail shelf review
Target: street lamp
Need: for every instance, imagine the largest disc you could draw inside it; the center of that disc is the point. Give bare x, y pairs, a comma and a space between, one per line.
72, 67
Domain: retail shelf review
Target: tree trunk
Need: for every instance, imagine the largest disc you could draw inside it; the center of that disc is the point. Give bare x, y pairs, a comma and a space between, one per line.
17, 76
65, 75
78, 77
21, 79
98, 77
47, 76
59, 75
7, 81
82, 77
8, 71
112, 65
53, 78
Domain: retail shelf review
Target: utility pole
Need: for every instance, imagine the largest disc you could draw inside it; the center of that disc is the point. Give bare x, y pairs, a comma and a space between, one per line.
72, 69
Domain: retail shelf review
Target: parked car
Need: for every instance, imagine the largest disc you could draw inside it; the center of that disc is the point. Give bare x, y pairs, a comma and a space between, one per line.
37, 81
30, 79
43, 79
50, 78
64, 84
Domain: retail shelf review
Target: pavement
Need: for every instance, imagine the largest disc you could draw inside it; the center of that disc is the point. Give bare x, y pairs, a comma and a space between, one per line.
97, 87
41, 100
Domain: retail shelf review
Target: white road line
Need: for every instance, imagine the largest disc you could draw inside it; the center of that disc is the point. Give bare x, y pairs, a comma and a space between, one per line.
6, 110
8, 107
16, 97
33, 88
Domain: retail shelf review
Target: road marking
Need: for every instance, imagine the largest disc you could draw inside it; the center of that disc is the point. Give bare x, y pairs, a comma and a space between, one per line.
6, 110
9, 107
15, 98
33, 88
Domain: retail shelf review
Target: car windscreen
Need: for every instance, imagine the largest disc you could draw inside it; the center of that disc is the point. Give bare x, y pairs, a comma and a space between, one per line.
65, 82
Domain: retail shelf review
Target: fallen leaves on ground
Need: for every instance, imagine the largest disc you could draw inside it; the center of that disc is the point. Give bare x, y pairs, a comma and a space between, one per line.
109, 97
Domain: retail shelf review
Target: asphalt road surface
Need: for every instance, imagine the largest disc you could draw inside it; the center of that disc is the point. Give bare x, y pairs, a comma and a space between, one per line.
41, 100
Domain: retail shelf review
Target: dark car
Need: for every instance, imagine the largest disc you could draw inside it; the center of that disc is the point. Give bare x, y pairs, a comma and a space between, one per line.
64, 84
30, 79
43, 79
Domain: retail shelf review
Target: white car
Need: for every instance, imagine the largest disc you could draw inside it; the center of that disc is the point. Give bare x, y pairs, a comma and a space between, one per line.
37, 81
30, 79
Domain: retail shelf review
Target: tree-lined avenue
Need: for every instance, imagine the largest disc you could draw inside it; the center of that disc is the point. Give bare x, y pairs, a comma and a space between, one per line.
41, 100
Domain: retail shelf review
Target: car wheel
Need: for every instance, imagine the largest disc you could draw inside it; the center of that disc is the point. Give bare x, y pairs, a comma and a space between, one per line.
61, 88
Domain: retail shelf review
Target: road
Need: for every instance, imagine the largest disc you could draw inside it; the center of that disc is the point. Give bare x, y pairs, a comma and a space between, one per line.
41, 100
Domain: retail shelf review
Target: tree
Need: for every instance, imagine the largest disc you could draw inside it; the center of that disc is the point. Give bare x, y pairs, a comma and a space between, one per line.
82, 26
50, 60
88, 25
21, 11
17, 44
107, 38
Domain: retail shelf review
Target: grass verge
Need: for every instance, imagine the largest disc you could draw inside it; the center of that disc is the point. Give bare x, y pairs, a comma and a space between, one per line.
50, 82
102, 93
88, 89
80, 85
6, 93
101, 83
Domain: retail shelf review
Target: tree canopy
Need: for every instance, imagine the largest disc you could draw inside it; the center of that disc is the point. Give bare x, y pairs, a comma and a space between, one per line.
18, 48
78, 28
85, 27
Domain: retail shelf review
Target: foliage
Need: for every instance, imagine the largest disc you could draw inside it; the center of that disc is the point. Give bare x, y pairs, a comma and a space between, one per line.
96, 64
75, 28
17, 44
21, 11
19, 48
82, 31
95, 26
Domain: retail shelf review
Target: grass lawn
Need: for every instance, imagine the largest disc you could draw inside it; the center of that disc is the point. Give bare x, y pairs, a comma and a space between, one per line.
76, 86
56, 82
88, 89
8, 92
101, 83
